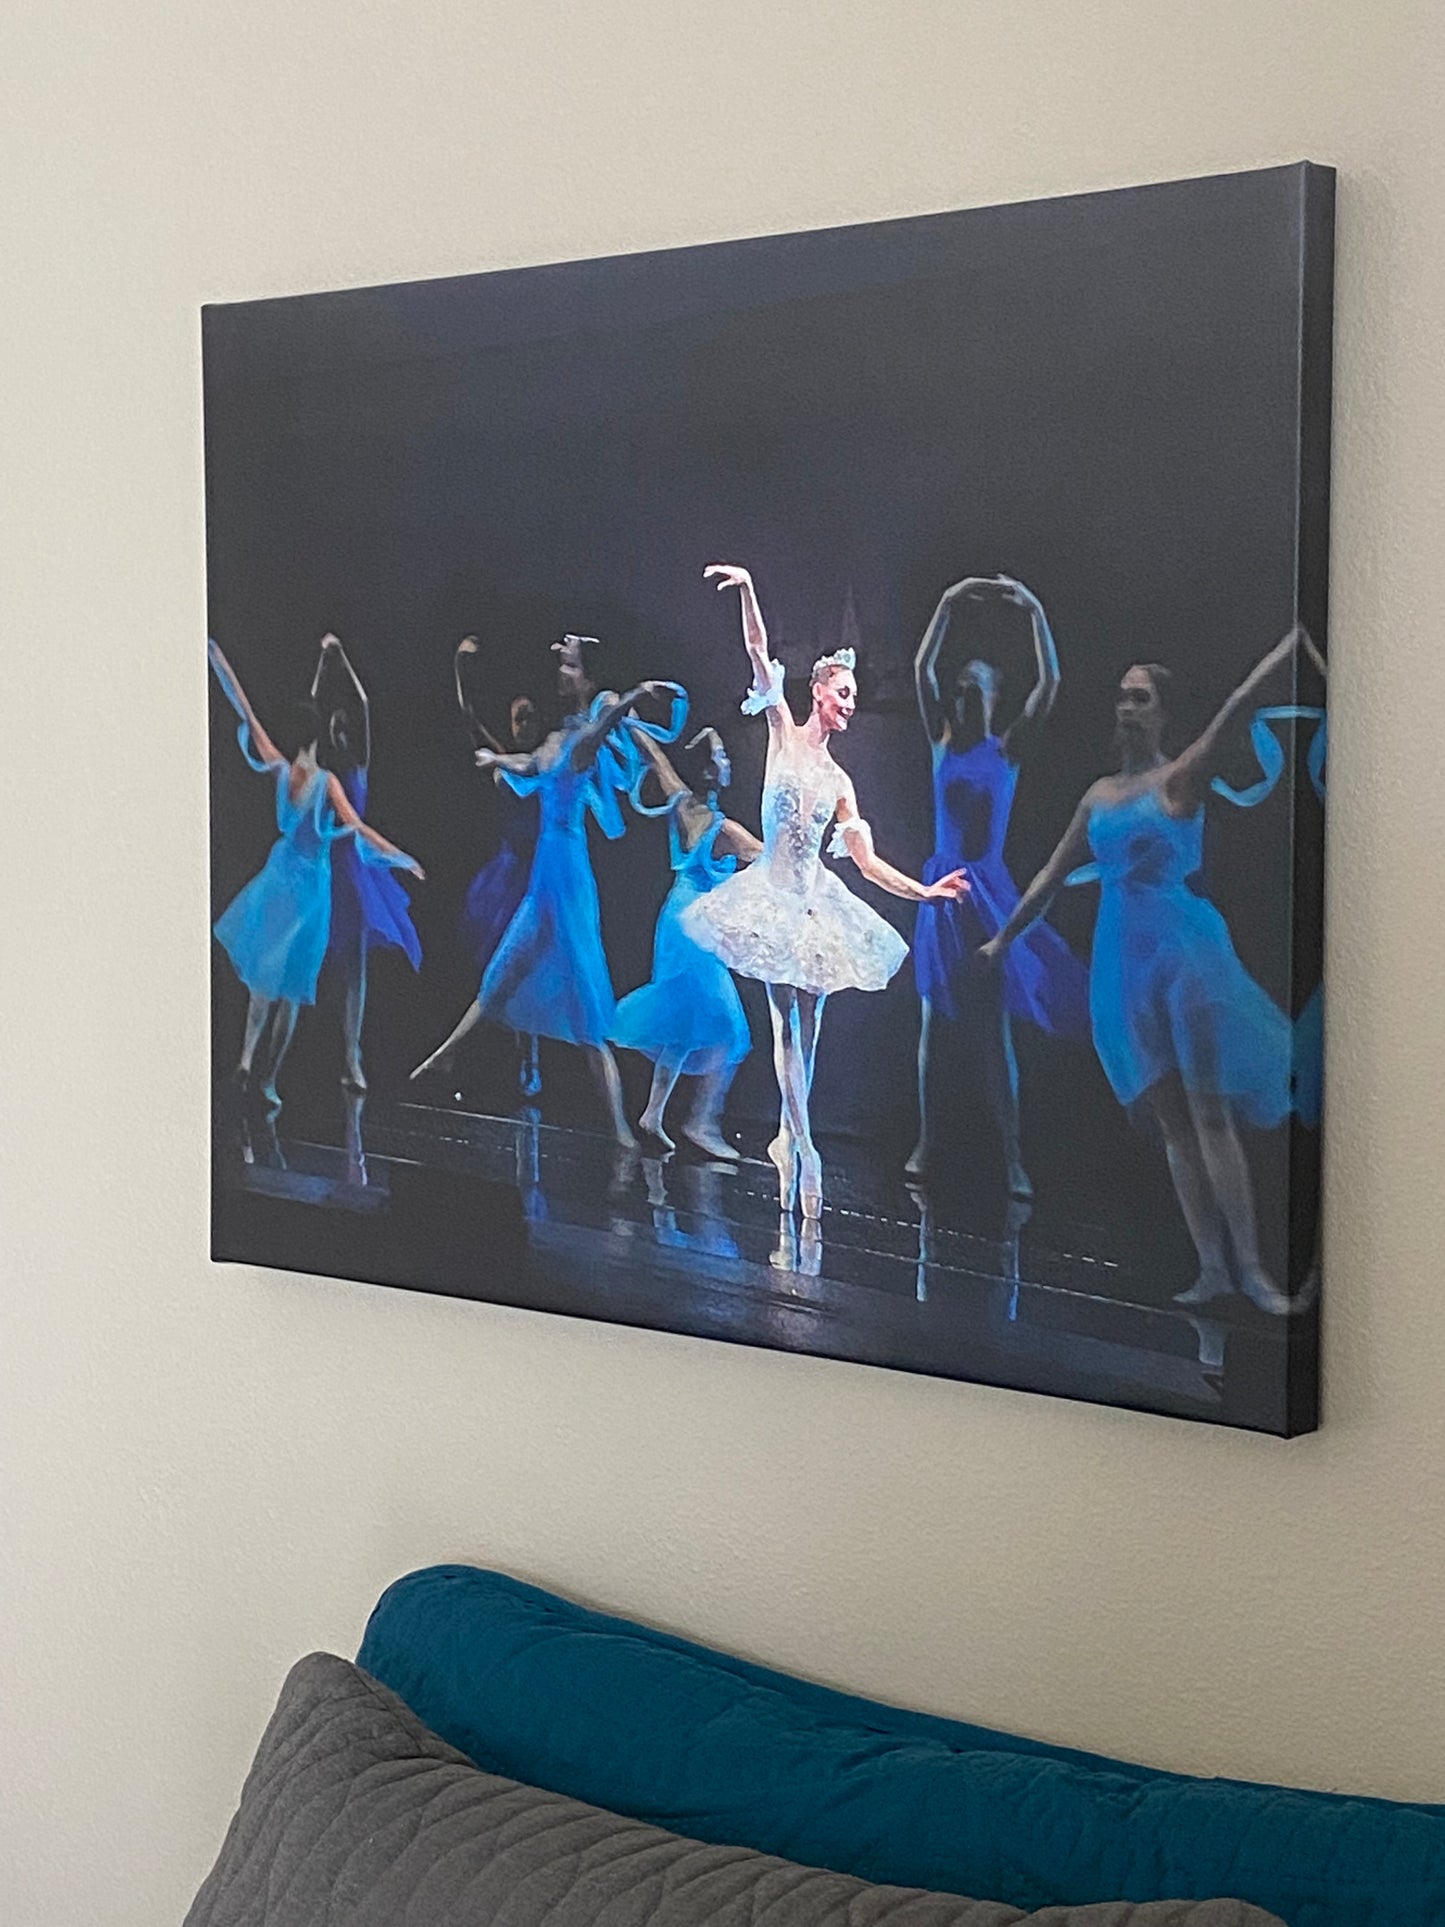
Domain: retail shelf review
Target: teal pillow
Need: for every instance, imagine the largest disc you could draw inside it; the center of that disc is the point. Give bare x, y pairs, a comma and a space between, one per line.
535, 1688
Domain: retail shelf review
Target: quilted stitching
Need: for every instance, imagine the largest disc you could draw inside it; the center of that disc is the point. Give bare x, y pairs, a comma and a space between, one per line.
355, 1815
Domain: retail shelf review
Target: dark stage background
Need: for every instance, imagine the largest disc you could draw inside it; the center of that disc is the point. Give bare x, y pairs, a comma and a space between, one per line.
1098, 395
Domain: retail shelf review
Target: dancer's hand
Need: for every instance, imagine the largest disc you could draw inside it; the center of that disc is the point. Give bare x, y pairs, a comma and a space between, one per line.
947, 889
417, 871
485, 758
990, 954
329, 641
971, 586
1014, 591
468, 646
1307, 642
729, 575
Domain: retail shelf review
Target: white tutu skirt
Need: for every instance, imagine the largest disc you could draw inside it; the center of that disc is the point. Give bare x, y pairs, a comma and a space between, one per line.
821, 940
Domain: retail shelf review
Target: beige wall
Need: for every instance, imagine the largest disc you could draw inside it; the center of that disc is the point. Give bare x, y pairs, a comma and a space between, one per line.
210, 1472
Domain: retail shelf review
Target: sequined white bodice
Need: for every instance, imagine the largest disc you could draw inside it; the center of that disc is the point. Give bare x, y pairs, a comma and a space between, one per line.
800, 795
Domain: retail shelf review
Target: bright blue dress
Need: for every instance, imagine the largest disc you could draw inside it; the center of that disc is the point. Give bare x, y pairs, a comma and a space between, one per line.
276, 930
368, 904
497, 890
1167, 993
1044, 982
690, 1010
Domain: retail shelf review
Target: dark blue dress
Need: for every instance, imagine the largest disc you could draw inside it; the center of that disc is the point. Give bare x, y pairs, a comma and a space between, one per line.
690, 1010
1167, 992
1044, 982
369, 906
497, 890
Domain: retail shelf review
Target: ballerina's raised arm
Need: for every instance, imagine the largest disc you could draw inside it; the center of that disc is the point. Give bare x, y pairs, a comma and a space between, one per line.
767, 691
337, 692
268, 754
1187, 779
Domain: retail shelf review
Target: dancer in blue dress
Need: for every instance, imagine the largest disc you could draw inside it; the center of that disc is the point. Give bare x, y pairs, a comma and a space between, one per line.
549, 974
369, 908
975, 775
1179, 1024
689, 1018
496, 891
276, 931
786, 920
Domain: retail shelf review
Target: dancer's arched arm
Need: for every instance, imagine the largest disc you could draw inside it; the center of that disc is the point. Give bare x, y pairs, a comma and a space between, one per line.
668, 779
467, 651
336, 686
767, 673
931, 706
857, 840
1073, 848
1187, 781
734, 840
346, 814
240, 702
588, 740
1041, 697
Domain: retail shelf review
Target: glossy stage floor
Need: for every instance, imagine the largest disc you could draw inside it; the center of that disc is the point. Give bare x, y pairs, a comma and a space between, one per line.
518, 1212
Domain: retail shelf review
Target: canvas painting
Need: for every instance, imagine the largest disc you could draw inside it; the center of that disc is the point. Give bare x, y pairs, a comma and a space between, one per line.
773, 791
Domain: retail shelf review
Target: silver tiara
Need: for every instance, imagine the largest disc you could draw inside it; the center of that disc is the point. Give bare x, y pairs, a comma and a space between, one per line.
840, 659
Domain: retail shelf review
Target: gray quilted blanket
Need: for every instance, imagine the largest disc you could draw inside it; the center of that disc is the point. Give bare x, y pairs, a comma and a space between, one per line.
355, 1815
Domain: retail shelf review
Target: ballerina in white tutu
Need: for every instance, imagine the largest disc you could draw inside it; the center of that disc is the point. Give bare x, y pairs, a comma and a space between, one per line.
786, 920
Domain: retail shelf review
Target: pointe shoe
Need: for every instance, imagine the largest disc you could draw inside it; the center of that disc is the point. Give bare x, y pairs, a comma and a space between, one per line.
810, 1183
1261, 1290
917, 1165
785, 1158
1210, 1284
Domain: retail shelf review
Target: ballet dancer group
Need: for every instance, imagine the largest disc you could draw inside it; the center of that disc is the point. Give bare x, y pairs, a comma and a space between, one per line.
1180, 1027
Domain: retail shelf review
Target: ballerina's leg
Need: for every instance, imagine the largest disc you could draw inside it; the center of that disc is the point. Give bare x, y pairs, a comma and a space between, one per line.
283, 1029
353, 1011
258, 1015
665, 1073
604, 1069
530, 1077
1233, 1190
917, 1164
442, 1055
704, 1124
810, 1165
1001, 1075
1194, 1191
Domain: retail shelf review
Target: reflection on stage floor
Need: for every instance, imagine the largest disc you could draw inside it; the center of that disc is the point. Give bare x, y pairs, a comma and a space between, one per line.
518, 1212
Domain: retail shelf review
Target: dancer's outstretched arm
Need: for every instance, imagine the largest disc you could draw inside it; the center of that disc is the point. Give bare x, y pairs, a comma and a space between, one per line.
240, 702
468, 650
767, 674
858, 841
1187, 780
931, 705
1072, 850
341, 803
336, 686
1040, 699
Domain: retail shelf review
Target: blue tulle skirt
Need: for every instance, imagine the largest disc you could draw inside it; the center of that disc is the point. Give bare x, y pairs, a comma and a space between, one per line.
1168, 994
690, 1010
1044, 982
275, 932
